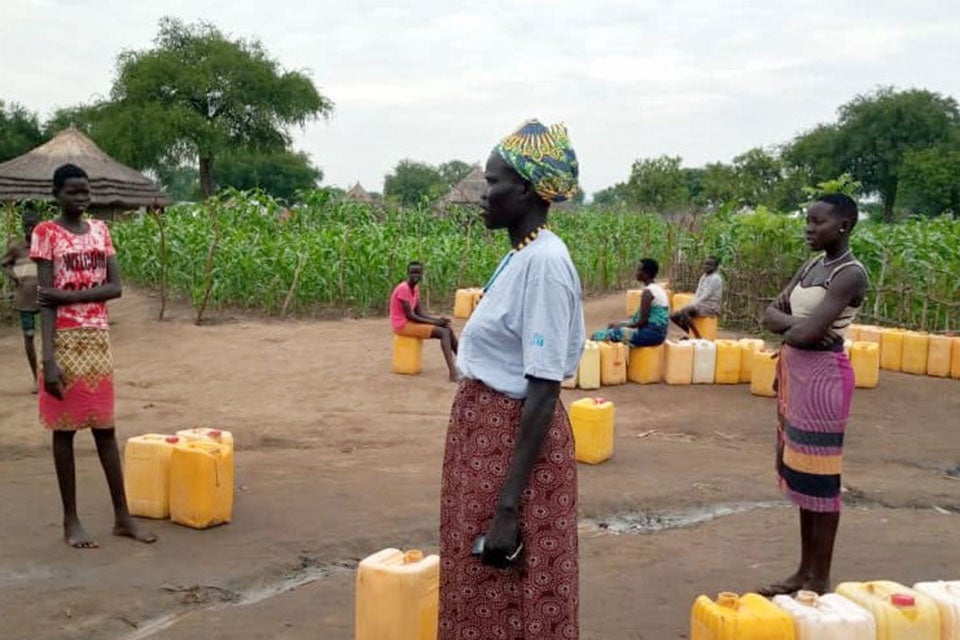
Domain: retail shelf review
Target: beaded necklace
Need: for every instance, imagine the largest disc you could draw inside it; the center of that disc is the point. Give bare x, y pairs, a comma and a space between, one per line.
503, 265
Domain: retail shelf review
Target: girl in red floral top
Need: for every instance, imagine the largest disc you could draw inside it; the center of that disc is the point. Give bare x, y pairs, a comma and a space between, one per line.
77, 273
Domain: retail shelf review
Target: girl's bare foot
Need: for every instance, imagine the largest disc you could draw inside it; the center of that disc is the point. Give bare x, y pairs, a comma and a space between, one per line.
127, 527
791, 585
76, 537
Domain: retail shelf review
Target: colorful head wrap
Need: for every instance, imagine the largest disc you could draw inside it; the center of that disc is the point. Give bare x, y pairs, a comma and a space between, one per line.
543, 156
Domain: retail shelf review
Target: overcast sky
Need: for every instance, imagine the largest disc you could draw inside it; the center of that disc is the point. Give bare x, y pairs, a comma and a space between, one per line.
434, 80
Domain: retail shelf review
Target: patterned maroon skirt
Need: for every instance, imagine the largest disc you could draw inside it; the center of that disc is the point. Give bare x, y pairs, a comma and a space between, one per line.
537, 598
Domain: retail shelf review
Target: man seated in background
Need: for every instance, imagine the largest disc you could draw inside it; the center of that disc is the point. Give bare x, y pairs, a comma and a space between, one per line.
407, 319
706, 300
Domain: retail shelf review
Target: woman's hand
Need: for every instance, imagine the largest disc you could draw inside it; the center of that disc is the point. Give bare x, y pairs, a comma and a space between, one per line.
53, 380
503, 538
53, 297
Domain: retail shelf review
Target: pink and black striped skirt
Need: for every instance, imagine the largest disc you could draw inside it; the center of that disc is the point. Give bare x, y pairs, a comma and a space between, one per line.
813, 405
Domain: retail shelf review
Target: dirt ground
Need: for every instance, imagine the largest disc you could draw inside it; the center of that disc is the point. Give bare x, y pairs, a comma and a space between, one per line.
338, 458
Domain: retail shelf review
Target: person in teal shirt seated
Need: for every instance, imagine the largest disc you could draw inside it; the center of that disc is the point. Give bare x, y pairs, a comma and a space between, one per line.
648, 326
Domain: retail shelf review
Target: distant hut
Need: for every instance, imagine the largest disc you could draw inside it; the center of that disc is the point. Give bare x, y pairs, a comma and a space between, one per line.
114, 188
359, 194
467, 191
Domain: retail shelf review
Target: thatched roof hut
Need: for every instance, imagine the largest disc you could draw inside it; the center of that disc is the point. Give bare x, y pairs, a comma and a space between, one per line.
359, 194
113, 186
467, 191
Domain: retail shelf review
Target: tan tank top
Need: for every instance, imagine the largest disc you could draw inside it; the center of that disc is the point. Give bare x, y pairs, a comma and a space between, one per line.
803, 300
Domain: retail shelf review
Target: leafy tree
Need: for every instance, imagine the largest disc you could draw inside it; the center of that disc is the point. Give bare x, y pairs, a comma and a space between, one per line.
198, 96
930, 180
817, 153
615, 195
718, 185
454, 171
281, 174
19, 131
657, 184
412, 181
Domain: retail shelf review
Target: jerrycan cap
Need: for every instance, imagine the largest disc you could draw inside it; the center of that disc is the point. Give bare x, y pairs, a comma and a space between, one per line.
599, 400
728, 599
903, 600
215, 433
808, 598
412, 556
172, 439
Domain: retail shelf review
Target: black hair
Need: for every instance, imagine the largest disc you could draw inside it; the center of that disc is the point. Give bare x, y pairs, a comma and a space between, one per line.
414, 263
65, 172
650, 266
29, 216
715, 259
842, 206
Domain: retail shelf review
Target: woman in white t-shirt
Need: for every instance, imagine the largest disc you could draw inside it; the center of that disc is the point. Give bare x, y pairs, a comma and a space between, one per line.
508, 514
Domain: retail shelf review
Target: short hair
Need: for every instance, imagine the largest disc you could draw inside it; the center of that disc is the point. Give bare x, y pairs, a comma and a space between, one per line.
650, 267
714, 258
65, 172
842, 206
414, 263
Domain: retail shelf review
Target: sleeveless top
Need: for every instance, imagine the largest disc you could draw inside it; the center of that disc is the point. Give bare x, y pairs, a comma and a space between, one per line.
803, 300
659, 306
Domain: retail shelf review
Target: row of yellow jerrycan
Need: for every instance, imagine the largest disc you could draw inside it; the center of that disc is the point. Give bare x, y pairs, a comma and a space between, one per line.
187, 477
912, 351
702, 362
706, 326
465, 301
880, 610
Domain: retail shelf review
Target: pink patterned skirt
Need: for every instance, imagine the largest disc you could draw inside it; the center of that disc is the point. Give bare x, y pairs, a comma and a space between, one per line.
538, 598
85, 357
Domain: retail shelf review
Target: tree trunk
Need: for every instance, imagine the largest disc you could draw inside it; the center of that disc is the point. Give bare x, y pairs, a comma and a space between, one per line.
206, 177
889, 201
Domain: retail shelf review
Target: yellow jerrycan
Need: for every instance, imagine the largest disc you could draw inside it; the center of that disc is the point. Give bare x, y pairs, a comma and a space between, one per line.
707, 326
613, 363
407, 355
938, 356
221, 437
865, 360
592, 420
681, 300
733, 617
915, 349
869, 333
678, 367
828, 617
748, 347
589, 371
463, 303
901, 613
891, 349
146, 474
201, 486
729, 356
397, 596
947, 597
955, 358
646, 364
763, 374
632, 301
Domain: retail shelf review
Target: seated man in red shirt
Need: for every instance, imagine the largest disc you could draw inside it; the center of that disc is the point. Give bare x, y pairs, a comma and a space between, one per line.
407, 319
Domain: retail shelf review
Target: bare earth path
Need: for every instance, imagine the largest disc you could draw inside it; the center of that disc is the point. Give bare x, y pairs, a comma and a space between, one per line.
338, 458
